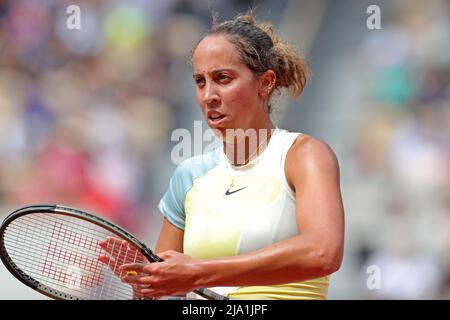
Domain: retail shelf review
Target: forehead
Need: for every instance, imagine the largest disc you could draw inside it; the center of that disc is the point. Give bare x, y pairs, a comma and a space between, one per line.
215, 52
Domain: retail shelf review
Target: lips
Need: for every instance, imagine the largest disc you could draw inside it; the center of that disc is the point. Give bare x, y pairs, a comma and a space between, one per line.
215, 118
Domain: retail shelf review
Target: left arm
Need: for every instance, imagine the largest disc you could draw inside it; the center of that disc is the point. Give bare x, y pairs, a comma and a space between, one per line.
312, 171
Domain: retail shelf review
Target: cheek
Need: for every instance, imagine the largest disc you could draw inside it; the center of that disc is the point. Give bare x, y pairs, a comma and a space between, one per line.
241, 97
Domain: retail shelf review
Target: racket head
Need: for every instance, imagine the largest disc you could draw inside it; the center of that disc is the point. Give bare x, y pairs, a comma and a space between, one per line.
62, 244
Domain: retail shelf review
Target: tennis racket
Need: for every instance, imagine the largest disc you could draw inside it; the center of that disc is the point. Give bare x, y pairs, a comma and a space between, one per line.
55, 249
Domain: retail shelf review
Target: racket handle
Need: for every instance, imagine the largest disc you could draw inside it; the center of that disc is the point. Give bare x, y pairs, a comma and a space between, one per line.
210, 295
205, 293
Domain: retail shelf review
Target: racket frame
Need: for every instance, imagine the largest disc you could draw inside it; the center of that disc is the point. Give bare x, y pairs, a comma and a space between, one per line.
73, 212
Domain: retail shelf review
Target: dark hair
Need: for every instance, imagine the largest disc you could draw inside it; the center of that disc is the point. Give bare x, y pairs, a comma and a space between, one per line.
261, 49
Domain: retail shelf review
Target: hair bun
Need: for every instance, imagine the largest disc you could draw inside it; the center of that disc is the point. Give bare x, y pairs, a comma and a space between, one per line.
247, 18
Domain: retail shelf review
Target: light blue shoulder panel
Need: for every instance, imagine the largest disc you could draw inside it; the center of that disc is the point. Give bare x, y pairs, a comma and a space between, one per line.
172, 203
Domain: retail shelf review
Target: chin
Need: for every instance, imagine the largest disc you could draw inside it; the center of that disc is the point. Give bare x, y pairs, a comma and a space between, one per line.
219, 132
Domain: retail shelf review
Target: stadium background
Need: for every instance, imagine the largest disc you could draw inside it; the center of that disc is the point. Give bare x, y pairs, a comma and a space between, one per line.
86, 118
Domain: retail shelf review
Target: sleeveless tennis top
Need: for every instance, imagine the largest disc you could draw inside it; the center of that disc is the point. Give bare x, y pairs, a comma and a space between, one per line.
223, 219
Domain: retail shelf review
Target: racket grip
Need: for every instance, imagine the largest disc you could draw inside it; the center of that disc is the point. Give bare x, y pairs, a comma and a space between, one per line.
203, 292
149, 254
210, 295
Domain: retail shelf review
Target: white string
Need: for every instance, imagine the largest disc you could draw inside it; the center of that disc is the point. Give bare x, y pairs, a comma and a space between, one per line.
32, 243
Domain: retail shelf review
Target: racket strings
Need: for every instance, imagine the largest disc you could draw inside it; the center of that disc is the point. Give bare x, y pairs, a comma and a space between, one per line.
74, 250
62, 252
52, 268
80, 240
32, 255
61, 281
92, 242
54, 273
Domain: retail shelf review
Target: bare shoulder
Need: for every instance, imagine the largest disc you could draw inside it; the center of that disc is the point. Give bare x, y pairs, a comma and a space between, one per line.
307, 148
310, 156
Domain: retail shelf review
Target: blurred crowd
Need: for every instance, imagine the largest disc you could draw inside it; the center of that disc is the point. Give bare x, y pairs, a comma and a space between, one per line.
86, 114
86, 118
398, 194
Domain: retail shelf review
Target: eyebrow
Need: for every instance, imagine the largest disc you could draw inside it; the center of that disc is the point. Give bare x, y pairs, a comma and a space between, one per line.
214, 71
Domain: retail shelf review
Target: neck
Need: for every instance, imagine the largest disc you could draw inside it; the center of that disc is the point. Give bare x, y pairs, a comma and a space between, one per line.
246, 145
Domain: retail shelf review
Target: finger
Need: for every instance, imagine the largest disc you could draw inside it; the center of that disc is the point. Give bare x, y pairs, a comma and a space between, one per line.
109, 242
111, 263
103, 259
122, 251
165, 255
106, 260
137, 267
133, 255
142, 286
113, 245
151, 293
116, 246
137, 280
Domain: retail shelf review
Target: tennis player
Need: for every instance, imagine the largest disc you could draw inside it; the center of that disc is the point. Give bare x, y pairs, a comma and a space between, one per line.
250, 220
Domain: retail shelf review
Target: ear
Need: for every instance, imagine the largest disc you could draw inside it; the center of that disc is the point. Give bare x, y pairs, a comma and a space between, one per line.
267, 83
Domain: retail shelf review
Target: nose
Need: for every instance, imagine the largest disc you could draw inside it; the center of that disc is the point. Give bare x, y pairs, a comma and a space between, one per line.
211, 97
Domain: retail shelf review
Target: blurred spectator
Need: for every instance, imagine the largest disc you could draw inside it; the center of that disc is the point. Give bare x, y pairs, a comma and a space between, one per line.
405, 148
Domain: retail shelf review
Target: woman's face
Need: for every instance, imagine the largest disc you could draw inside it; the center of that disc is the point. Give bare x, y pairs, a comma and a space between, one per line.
227, 90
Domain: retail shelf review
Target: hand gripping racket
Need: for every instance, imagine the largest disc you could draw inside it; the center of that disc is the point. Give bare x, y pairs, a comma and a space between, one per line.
54, 250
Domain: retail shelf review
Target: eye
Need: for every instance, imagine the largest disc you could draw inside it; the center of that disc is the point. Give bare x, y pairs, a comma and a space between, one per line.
199, 81
223, 78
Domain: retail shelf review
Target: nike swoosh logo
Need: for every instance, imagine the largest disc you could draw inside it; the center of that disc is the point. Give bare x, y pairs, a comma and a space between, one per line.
228, 192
